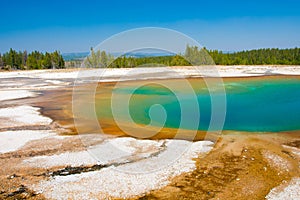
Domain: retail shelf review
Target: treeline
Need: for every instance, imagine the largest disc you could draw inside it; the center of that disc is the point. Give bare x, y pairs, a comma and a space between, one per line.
98, 59
192, 56
199, 56
34, 60
131, 62
273, 56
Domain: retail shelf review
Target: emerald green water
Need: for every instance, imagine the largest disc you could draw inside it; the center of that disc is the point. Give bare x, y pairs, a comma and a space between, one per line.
260, 105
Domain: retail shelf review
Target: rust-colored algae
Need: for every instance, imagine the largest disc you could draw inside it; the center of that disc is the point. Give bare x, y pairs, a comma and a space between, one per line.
235, 169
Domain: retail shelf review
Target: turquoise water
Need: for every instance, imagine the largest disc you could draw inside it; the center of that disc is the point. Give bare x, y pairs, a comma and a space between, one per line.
263, 105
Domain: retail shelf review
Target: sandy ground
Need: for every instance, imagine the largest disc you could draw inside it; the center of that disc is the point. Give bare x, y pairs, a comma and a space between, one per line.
38, 160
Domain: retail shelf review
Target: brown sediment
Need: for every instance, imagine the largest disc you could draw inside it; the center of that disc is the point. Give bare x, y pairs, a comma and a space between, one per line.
17, 177
235, 169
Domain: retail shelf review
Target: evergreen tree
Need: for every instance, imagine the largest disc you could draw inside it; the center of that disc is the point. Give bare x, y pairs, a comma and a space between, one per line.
33, 60
98, 59
1, 61
24, 58
57, 60
47, 61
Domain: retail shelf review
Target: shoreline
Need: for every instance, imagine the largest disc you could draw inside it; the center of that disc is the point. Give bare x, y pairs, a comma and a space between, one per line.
170, 72
57, 146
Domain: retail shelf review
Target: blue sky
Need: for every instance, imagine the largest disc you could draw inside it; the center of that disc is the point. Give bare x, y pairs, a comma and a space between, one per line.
75, 26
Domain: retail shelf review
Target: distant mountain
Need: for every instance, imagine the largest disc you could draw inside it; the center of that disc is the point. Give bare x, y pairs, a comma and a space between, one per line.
148, 54
75, 56
82, 55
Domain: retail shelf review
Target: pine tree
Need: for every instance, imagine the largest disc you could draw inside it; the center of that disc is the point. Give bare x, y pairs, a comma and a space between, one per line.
1, 61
